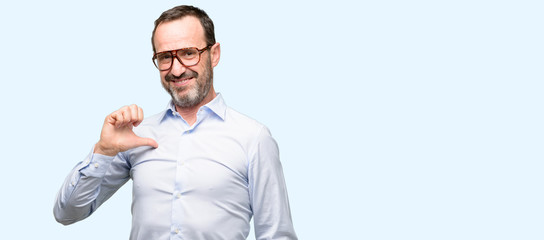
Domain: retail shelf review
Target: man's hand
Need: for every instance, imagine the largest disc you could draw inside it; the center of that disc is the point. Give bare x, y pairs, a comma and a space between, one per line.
117, 135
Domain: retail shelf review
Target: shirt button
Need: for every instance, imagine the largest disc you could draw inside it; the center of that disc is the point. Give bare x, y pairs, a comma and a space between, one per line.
177, 231
96, 165
178, 195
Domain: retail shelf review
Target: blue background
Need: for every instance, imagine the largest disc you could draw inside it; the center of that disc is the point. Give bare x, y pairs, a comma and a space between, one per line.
395, 119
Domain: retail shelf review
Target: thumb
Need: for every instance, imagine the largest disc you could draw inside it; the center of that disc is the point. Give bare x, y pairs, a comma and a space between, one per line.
139, 141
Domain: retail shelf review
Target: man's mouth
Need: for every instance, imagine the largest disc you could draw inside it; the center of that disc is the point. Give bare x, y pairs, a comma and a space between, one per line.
181, 81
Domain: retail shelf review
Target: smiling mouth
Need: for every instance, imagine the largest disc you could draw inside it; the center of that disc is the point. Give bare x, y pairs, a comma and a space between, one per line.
181, 81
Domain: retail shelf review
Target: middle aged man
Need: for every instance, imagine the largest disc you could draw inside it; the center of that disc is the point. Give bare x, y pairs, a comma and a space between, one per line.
200, 170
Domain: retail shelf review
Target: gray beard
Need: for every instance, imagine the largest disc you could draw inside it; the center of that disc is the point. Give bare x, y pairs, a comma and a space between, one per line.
193, 97
198, 91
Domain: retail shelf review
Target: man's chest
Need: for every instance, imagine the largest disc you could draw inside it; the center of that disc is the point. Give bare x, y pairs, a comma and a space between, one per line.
208, 164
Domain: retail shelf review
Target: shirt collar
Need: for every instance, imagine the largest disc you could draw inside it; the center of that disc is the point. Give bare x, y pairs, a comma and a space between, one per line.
216, 106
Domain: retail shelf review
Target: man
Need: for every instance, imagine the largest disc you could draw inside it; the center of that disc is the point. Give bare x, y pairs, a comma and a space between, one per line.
200, 170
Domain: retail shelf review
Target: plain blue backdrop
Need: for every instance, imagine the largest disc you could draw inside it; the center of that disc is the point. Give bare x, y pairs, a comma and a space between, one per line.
395, 119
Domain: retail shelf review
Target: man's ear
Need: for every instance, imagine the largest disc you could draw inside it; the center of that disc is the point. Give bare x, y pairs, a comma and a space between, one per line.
215, 52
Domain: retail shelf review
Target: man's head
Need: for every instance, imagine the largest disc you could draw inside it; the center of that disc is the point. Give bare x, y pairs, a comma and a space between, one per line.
188, 82
182, 11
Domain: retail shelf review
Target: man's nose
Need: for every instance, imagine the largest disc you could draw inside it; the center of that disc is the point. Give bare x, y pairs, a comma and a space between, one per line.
177, 67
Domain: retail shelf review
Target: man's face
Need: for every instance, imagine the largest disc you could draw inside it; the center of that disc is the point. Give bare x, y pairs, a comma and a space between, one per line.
188, 86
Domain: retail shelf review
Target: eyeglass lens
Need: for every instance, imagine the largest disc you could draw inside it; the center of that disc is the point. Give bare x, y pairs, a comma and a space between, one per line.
189, 57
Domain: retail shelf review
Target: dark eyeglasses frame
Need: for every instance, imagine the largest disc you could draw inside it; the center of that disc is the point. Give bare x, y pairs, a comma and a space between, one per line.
174, 53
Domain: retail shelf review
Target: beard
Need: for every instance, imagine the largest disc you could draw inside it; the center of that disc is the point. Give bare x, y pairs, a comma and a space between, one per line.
196, 92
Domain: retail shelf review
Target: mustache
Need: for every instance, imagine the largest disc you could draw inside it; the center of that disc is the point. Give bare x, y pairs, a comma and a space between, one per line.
187, 74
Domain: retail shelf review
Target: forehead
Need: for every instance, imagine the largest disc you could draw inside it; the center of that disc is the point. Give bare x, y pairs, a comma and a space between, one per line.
181, 33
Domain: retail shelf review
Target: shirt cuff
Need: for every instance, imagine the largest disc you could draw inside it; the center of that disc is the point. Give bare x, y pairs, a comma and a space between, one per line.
95, 165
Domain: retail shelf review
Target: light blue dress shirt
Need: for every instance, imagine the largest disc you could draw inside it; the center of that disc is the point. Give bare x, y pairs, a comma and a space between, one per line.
204, 181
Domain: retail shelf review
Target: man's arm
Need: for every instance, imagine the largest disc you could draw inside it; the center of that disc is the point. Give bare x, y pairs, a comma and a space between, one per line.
104, 171
268, 192
90, 184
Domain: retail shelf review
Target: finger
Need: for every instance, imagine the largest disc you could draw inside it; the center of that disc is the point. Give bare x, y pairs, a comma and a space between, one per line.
111, 119
134, 114
139, 141
116, 118
127, 115
140, 116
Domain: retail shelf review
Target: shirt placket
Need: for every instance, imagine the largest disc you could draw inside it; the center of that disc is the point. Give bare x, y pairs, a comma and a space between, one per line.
180, 184
181, 180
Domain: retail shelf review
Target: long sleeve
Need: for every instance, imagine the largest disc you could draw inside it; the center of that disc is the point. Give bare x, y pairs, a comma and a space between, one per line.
88, 185
268, 193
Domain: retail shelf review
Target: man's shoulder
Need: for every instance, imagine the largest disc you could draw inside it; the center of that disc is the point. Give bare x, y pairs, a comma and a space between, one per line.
242, 120
248, 127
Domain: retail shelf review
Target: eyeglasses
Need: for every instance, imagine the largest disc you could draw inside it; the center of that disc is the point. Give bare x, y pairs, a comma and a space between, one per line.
186, 56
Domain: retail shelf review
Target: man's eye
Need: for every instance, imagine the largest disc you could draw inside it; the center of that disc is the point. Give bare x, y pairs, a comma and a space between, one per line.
188, 54
164, 57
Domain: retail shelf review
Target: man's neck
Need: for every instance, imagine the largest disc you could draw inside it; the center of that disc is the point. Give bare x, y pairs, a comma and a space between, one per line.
189, 113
